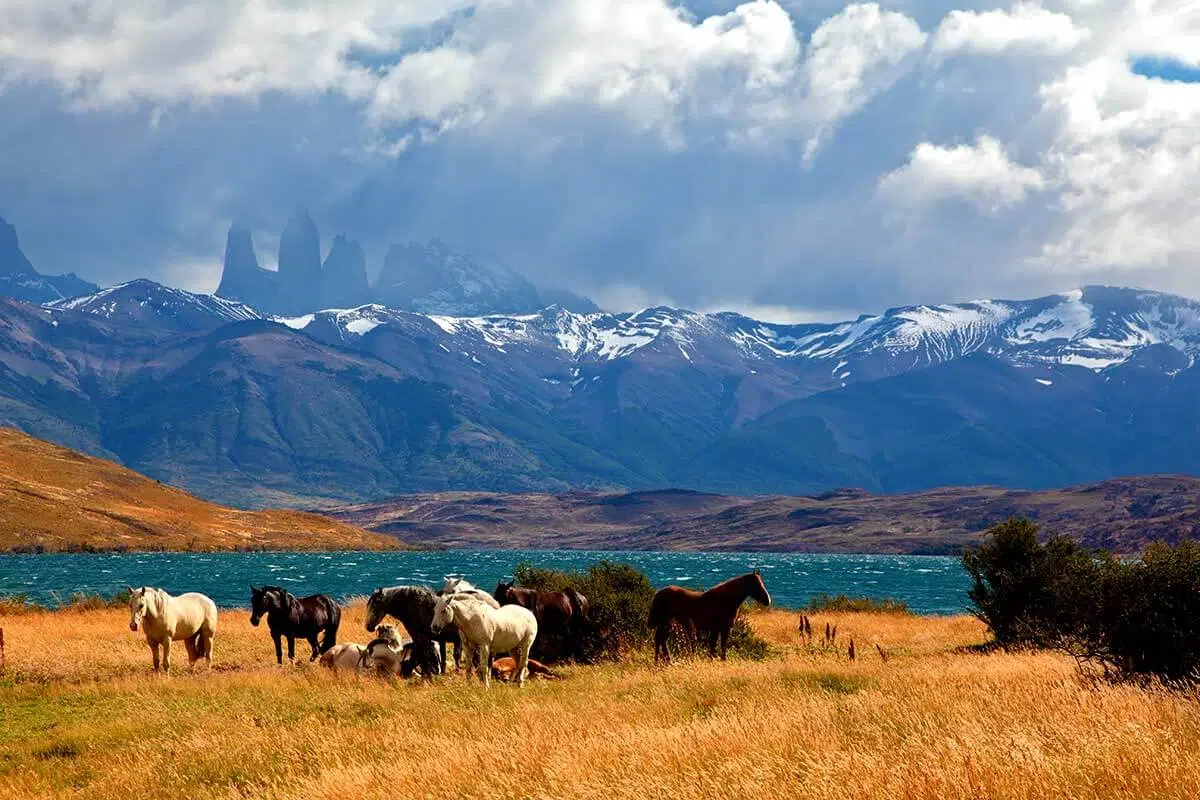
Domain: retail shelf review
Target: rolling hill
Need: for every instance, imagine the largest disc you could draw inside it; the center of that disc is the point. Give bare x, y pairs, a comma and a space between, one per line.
1121, 515
55, 499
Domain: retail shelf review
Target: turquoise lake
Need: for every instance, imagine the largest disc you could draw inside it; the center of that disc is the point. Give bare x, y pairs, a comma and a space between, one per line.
928, 584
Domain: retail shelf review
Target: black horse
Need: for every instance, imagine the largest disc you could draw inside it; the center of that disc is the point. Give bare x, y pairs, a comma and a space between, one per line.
413, 606
290, 616
561, 617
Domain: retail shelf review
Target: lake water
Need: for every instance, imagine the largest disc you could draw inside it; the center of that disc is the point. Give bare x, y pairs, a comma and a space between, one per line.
928, 584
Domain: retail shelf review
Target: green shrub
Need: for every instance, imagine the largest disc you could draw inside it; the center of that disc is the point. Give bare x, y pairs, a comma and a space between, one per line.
618, 604
843, 603
1028, 593
1135, 619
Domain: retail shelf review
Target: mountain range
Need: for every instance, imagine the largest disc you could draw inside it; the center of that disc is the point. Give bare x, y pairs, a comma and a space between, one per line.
428, 278
243, 406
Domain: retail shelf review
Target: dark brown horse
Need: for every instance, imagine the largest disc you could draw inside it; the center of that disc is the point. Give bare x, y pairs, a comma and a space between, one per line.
296, 617
560, 616
710, 612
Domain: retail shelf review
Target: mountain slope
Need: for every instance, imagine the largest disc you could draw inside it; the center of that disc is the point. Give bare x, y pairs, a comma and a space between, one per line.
52, 498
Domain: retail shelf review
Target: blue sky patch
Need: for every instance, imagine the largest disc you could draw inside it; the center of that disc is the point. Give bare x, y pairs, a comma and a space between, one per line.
1167, 69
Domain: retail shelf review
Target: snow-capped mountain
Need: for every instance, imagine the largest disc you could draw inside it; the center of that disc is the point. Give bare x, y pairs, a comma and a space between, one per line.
362, 402
144, 302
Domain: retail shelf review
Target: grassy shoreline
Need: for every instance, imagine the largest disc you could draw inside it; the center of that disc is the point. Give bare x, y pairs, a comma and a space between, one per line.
80, 714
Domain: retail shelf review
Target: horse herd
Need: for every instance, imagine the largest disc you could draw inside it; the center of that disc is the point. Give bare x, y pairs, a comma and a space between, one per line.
481, 626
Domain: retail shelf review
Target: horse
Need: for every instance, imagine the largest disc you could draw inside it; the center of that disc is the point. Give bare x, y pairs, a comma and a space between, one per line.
559, 614
290, 616
457, 584
413, 606
712, 611
484, 630
355, 656
163, 619
504, 668
344, 656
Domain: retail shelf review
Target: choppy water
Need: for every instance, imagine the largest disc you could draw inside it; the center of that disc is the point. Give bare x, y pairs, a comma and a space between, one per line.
928, 584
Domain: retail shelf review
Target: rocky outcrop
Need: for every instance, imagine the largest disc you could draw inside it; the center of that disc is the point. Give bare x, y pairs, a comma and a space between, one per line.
300, 273
19, 279
242, 278
344, 282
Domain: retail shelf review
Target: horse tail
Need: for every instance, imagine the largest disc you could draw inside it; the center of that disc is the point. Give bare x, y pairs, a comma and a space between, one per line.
329, 638
659, 614
579, 605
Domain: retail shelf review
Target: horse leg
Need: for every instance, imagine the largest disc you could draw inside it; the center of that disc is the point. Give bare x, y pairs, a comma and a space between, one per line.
206, 641
442, 652
190, 645
523, 662
484, 651
291, 648
278, 648
724, 642
468, 651
316, 648
660, 643
154, 650
166, 646
712, 644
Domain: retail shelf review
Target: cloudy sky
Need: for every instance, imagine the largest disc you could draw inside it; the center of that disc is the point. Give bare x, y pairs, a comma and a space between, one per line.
798, 159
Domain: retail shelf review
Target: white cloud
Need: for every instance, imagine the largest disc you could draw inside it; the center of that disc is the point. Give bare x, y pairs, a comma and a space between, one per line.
981, 174
853, 56
1027, 25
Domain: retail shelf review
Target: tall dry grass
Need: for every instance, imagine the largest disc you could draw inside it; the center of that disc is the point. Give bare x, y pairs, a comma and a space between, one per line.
81, 716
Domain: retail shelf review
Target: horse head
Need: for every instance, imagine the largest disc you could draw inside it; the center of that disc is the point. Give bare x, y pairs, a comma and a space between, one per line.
758, 589
139, 604
455, 583
443, 614
501, 593
263, 601
375, 610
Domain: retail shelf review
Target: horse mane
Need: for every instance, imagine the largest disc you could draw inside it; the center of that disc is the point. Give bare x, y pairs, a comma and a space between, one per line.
727, 586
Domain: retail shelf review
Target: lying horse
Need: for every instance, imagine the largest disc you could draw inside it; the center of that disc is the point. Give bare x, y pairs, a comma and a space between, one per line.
503, 669
294, 617
712, 612
413, 606
560, 615
484, 630
356, 656
163, 619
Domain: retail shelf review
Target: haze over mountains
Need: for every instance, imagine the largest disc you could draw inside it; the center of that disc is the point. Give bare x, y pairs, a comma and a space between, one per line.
428, 278
245, 404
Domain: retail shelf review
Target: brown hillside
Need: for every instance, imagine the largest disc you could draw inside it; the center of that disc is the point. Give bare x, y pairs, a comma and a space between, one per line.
56, 499
1122, 515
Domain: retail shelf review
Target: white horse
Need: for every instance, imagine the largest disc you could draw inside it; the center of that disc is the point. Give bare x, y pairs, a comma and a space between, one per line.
344, 656
163, 619
484, 631
457, 584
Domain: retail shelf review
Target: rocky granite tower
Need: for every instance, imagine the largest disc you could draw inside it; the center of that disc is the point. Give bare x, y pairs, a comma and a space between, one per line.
344, 283
300, 274
242, 278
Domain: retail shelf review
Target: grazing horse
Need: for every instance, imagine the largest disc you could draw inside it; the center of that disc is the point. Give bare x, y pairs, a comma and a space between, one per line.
484, 630
712, 612
413, 606
560, 615
163, 619
290, 616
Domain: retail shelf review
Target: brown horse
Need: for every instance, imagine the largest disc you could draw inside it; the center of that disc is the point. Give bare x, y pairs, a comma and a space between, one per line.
560, 615
712, 612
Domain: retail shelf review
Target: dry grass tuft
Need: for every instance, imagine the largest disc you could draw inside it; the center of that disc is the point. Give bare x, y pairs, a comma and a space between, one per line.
54, 499
81, 715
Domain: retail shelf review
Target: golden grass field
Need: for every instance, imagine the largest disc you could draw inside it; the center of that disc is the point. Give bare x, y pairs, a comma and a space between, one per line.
81, 716
55, 499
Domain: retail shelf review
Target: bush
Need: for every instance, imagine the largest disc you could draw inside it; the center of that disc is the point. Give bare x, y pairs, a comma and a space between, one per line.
1136, 619
618, 604
843, 603
1028, 593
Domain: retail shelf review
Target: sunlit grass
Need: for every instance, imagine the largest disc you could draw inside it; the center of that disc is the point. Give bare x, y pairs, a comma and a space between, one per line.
80, 715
